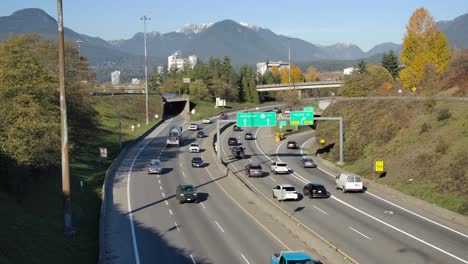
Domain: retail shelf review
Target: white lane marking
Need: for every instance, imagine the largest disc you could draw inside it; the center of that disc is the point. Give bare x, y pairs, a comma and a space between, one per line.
183, 174
159, 157
160, 188
272, 179
406, 210
303, 144
219, 226
170, 211
167, 203
320, 210
159, 181
370, 216
158, 176
163, 194
193, 260
359, 233
202, 204
246, 261
399, 230
250, 160
175, 223
132, 224
276, 153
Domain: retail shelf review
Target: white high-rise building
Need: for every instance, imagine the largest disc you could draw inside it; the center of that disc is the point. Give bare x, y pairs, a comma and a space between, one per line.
115, 77
175, 60
262, 67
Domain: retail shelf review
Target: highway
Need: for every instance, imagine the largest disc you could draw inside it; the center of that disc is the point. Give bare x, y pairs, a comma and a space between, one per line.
364, 225
145, 224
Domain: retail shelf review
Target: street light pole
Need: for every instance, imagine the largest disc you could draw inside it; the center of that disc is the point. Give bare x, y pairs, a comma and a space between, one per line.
145, 18
289, 59
68, 228
79, 48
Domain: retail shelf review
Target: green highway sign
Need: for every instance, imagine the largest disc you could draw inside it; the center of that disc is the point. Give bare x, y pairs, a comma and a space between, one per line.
301, 118
256, 119
283, 123
308, 109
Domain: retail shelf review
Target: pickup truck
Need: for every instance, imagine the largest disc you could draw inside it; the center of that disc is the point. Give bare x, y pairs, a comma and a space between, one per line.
291, 257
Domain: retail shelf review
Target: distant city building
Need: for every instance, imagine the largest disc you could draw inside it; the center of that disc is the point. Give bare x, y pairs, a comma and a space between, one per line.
175, 60
159, 69
348, 71
262, 67
115, 77
135, 81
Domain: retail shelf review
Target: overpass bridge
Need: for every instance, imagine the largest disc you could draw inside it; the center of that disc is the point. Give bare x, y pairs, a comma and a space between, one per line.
298, 86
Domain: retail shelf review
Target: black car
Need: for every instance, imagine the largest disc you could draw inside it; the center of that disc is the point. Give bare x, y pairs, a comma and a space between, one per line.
238, 152
277, 110
236, 128
254, 170
248, 136
315, 190
292, 144
201, 134
232, 141
186, 193
223, 116
197, 162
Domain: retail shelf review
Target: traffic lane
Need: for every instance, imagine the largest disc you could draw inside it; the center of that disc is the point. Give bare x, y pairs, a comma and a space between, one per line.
329, 225
436, 235
253, 243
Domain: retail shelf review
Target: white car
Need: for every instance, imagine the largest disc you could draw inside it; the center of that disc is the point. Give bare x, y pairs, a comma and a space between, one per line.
287, 111
194, 147
206, 121
285, 192
279, 167
193, 127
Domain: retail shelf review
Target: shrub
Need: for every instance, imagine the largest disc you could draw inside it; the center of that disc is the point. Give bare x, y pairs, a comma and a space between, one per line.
424, 128
441, 146
443, 114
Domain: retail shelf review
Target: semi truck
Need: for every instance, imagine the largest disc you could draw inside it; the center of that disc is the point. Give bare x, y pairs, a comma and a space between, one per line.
174, 137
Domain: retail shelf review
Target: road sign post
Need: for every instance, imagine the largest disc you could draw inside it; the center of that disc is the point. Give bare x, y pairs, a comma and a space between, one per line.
301, 118
256, 119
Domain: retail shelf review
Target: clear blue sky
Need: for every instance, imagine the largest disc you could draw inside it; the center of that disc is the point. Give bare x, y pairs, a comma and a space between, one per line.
364, 23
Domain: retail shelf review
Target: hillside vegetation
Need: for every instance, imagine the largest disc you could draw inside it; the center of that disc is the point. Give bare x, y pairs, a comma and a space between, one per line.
423, 144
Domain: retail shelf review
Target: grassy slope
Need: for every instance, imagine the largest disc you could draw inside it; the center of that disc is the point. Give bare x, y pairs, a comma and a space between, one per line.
32, 230
435, 158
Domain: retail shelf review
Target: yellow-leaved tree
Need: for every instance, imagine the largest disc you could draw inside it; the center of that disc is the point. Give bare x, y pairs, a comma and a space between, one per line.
311, 74
296, 74
423, 44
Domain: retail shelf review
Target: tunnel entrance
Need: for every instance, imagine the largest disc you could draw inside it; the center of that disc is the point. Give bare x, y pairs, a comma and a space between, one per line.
174, 108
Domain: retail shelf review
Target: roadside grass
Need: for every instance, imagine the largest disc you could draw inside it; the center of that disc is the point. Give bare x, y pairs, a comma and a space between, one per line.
422, 144
33, 227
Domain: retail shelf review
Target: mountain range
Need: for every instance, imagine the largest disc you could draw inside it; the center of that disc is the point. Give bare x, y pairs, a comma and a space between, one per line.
243, 43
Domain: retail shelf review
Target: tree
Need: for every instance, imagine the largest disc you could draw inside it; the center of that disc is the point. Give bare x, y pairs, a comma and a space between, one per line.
362, 67
361, 84
199, 90
390, 62
311, 74
296, 74
423, 44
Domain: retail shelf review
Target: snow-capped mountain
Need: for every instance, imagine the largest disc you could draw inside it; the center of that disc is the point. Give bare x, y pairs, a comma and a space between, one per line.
194, 29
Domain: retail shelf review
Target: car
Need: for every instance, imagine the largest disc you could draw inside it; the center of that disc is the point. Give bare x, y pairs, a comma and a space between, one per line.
201, 134
193, 127
279, 167
349, 182
236, 128
285, 192
194, 147
277, 110
292, 144
206, 121
237, 152
254, 170
186, 193
232, 141
287, 111
155, 166
223, 116
197, 162
291, 257
249, 136
314, 190
308, 163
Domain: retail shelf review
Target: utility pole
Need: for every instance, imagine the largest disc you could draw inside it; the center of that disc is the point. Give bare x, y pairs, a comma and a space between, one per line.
145, 18
68, 228
79, 48
289, 59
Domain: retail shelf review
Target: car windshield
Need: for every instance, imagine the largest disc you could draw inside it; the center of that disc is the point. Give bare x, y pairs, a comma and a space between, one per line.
289, 189
155, 162
281, 164
194, 145
197, 159
186, 188
308, 160
256, 167
300, 261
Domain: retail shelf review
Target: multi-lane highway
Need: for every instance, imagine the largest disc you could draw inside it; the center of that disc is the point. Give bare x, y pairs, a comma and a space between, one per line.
145, 224
367, 227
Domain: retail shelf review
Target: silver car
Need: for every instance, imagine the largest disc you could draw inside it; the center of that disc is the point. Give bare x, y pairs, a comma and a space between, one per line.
308, 163
155, 167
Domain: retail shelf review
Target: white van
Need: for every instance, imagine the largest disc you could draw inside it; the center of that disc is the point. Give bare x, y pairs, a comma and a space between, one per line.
349, 182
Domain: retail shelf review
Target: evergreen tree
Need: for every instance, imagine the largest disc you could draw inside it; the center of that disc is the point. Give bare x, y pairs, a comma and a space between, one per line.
362, 67
390, 62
